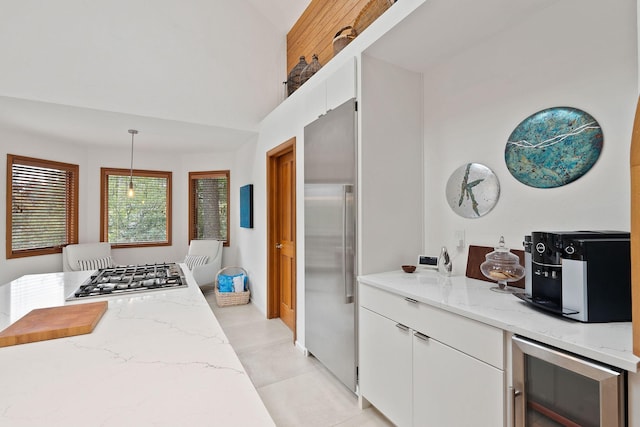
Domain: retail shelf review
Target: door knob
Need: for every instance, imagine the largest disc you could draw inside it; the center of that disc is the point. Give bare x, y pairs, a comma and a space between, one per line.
278, 245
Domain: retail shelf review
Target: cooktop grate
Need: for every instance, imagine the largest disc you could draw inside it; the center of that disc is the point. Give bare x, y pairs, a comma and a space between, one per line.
129, 279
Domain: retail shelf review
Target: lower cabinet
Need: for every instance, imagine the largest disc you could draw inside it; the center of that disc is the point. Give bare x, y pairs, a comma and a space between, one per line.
410, 370
451, 388
385, 366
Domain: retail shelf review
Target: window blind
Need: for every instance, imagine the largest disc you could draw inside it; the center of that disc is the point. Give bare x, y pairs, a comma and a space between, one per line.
42, 206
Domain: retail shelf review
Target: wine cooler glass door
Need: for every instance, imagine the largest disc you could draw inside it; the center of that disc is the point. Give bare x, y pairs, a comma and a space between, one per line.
554, 388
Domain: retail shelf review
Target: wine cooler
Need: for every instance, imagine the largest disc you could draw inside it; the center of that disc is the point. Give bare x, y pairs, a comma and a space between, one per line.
554, 388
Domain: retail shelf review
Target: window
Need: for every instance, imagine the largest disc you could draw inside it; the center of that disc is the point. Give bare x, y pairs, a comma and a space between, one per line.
209, 205
42, 214
141, 220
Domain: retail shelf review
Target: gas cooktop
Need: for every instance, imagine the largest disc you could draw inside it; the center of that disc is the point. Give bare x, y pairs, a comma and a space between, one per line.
129, 279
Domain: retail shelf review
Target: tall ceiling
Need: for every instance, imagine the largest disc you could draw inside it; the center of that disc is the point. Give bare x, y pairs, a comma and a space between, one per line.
200, 74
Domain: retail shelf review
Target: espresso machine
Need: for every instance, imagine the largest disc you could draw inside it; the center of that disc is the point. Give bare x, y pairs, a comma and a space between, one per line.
582, 275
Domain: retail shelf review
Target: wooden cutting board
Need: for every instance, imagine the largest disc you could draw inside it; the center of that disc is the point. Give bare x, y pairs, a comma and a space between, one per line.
54, 322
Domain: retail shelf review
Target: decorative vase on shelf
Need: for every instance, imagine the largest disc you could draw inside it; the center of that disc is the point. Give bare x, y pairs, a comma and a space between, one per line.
502, 266
293, 79
310, 69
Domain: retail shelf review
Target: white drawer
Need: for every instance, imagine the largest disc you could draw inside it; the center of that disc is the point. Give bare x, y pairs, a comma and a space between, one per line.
474, 338
393, 306
469, 336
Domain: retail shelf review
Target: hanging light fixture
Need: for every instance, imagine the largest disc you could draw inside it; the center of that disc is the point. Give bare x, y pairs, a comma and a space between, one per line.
130, 192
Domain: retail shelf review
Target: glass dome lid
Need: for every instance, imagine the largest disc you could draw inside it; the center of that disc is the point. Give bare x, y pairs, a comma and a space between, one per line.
503, 266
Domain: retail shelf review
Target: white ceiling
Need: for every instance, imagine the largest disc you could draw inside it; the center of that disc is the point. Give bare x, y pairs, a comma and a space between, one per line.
429, 29
200, 74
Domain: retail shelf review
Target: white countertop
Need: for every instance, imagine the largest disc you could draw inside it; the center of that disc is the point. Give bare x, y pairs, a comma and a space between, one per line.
610, 343
157, 358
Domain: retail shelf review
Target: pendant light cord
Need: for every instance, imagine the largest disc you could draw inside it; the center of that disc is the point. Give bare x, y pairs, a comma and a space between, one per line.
131, 168
132, 132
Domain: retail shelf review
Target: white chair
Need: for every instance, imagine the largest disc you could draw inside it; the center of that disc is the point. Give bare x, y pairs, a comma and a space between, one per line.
86, 256
204, 259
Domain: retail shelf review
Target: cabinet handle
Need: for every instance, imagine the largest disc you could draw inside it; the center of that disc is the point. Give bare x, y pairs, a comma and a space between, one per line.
411, 300
514, 395
420, 336
402, 327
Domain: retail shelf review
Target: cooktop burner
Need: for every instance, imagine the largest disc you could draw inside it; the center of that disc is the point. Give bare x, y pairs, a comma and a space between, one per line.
129, 279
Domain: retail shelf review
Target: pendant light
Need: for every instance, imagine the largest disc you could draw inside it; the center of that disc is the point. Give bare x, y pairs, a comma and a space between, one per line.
130, 192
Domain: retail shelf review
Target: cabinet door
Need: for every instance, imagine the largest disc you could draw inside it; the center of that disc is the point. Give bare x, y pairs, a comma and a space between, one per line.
328, 94
385, 366
341, 85
315, 101
451, 388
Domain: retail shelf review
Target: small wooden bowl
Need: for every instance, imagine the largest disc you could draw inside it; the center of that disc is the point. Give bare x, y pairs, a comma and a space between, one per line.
409, 268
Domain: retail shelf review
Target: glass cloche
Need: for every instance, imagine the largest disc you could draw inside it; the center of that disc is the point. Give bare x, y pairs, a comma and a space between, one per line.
503, 266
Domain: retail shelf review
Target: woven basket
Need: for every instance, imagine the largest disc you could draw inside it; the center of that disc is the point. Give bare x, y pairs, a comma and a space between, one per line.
340, 40
369, 13
224, 299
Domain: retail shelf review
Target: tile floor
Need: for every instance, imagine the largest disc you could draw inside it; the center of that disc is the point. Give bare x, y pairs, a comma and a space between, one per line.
297, 390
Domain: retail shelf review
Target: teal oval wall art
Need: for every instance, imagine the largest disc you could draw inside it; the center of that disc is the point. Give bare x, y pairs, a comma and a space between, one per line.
553, 147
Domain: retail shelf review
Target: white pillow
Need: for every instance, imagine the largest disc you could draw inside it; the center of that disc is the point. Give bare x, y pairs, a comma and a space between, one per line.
95, 264
195, 260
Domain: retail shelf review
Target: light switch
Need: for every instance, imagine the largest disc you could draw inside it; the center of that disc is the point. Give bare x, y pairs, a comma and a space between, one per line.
459, 238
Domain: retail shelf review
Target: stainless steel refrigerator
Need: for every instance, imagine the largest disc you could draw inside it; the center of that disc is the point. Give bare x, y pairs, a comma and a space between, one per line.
330, 241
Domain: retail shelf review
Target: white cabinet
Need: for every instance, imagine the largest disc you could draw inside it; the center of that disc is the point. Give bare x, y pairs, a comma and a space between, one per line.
328, 93
420, 365
451, 388
385, 365
341, 85
315, 102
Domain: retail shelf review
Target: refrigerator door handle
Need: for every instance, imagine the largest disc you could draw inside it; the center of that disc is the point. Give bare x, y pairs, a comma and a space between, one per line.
347, 270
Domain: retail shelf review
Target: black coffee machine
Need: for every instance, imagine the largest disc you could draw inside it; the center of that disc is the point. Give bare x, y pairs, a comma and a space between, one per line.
582, 275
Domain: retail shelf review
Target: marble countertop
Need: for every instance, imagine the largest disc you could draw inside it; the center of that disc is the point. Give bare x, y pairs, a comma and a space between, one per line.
610, 343
155, 358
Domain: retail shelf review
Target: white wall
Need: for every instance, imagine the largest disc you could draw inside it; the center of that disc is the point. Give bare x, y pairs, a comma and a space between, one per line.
244, 166
390, 167
576, 53
91, 159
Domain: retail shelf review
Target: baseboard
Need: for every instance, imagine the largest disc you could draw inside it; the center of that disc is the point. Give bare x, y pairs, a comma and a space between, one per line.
301, 348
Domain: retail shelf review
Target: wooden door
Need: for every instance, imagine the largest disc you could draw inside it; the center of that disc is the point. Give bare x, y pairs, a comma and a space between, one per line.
286, 236
282, 234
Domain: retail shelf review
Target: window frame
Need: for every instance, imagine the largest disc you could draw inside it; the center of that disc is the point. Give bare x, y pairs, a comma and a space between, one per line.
71, 218
104, 204
193, 176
